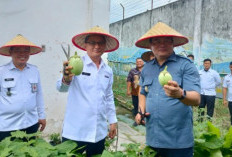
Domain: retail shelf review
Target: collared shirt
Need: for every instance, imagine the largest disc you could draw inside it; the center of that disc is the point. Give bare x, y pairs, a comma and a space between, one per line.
170, 122
209, 81
227, 83
21, 100
90, 103
133, 77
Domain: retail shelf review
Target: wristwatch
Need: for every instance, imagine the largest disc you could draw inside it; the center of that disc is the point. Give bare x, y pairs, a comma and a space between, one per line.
183, 95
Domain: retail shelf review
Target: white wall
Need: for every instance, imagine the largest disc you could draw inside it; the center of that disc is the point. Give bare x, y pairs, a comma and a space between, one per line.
51, 23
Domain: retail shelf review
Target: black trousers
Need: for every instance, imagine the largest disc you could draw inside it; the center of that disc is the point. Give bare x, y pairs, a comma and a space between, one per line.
208, 101
90, 148
163, 152
29, 130
230, 109
135, 101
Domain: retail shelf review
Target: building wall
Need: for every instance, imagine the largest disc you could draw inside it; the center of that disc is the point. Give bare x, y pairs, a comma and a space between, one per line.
51, 23
207, 24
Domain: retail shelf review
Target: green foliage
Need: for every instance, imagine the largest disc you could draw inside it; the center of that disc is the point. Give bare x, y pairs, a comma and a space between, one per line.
32, 145
131, 150
55, 139
120, 92
209, 142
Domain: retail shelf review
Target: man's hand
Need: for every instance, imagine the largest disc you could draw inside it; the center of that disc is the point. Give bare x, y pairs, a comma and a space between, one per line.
173, 90
128, 93
67, 75
225, 103
42, 124
113, 130
139, 119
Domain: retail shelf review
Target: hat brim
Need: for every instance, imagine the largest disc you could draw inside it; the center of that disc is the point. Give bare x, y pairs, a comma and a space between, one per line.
5, 50
146, 56
177, 41
112, 43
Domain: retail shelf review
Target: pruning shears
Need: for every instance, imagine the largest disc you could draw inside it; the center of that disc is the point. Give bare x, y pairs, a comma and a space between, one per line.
67, 54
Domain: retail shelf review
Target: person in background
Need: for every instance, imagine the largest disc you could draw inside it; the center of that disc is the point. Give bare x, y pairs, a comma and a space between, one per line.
227, 86
168, 112
209, 79
147, 56
133, 85
190, 56
90, 106
21, 97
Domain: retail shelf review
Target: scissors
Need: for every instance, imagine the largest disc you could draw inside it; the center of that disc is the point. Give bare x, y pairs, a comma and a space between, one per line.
67, 54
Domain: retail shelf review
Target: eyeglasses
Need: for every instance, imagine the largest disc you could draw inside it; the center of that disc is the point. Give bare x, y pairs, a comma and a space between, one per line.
93, 43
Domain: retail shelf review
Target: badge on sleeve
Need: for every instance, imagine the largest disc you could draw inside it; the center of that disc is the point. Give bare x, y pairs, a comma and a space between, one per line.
34, 87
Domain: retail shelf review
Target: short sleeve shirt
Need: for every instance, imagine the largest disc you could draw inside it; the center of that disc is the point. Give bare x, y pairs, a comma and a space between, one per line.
227, 83
170, 122
133, 77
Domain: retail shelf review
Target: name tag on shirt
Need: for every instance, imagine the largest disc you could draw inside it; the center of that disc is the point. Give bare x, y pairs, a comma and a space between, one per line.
34, 87
85, 73
9, 79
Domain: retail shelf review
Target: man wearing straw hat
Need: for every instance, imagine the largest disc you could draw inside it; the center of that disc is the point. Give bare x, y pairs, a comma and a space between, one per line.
90, 101
168, 112
21, 99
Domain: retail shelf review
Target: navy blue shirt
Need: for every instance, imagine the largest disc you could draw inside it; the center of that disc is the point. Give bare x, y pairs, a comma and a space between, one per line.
170, 122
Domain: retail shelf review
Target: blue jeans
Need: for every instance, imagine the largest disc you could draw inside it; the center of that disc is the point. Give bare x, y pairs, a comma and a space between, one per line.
164, 152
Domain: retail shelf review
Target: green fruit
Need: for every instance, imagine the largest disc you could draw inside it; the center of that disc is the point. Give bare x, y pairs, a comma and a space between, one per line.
164, 76
76, 63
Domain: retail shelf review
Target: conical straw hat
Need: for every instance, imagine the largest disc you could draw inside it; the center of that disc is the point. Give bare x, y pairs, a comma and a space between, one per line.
19, 40
111, 42
161, 30
146, 56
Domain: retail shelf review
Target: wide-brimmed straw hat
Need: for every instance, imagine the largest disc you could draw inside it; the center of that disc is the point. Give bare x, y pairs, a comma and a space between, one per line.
19, 40
146, 56
161, 30
111, 42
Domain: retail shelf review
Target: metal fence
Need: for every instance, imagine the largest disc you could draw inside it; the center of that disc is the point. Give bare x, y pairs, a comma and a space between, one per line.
121, 9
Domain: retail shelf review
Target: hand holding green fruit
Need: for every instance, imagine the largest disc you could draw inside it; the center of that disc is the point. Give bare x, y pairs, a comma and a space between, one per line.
164, 77
76, 63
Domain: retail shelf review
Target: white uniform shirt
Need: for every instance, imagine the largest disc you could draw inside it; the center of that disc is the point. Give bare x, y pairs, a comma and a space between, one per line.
227, 83
209, 81
21, 100
90, 103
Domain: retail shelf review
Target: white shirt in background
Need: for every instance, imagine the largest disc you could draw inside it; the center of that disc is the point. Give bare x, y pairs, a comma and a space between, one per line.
209, 81
227, 83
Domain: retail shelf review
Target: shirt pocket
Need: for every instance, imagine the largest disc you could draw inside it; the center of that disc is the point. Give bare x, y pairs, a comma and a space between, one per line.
9, 88
147, 84
33, 85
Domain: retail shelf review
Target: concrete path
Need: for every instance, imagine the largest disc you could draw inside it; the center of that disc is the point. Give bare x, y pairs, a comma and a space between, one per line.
127, 133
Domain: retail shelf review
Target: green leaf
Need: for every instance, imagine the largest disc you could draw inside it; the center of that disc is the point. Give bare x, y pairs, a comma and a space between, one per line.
66, 146
106, 154
228, 139
216, 153
213, 129
5, 152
